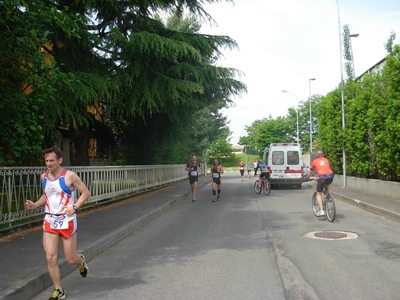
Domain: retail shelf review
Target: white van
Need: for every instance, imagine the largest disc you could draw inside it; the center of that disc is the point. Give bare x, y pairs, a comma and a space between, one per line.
285, 163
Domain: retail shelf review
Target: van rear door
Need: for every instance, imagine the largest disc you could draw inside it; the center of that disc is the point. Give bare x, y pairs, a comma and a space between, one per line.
285, 163
294, 166
277, 164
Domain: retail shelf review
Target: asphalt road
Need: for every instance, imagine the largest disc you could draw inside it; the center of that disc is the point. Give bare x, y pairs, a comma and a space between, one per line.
247, 246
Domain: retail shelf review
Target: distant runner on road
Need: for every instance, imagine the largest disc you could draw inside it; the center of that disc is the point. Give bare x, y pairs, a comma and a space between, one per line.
216, 171
248, 169
194, 168
241, 169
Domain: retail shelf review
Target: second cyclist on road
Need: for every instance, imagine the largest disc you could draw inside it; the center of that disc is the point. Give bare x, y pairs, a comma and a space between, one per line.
264, 171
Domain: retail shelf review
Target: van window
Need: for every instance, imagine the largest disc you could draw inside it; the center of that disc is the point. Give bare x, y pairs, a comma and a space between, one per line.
293, 157
277, 158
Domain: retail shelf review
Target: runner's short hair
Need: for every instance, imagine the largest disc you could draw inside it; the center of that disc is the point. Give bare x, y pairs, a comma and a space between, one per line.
55, 150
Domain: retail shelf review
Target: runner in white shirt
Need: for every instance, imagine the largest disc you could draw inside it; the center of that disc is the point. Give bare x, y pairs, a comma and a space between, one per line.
60, 222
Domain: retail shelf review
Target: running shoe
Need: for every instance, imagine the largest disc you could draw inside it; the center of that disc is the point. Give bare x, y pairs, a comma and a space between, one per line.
58, 294
321, 213
218, 198
194, 199
214, 199
83, 268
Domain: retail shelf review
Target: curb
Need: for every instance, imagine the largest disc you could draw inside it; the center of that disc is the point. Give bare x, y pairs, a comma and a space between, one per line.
33, 285
369, 207
394, 216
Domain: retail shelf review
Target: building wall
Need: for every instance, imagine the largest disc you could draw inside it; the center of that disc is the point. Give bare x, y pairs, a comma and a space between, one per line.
63, 145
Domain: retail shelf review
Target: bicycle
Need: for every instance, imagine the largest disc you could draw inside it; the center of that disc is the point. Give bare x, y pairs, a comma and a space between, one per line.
328, 204
265, 185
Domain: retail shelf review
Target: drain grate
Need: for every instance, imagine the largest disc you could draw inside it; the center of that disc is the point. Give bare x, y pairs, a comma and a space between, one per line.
330, 235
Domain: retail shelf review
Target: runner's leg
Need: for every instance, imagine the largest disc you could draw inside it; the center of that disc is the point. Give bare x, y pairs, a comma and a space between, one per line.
193, 185
71, 256
50, 245
214, 185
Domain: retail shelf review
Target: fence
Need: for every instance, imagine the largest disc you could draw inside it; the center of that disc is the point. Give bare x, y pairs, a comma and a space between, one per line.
105, 183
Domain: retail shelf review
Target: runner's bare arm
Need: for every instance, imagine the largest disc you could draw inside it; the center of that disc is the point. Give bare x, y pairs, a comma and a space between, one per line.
77, 183
32, 205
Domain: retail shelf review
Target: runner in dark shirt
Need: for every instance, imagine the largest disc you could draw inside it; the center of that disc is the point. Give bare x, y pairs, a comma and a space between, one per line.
194, 168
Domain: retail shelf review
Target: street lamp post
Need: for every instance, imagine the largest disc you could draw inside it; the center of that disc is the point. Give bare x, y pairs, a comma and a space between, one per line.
297, 113
342, 95
311, 127
351, 49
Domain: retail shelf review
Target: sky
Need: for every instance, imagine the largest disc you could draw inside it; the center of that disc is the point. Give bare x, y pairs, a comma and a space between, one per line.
285, 43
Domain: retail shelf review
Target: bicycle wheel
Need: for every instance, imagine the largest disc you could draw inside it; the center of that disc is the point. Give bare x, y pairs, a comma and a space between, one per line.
314, 203
257, 187
267, 189
330, 208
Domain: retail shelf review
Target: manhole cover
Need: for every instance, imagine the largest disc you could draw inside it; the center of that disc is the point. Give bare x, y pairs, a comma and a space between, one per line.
330, 235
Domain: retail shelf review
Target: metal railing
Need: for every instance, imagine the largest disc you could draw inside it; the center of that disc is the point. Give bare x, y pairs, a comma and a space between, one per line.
105, 183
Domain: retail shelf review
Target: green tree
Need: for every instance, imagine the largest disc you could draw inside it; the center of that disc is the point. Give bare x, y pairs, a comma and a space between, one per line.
144, 80
330, 130
390, 43
266, 131
304, 121
348, 55
221, 147
387, 139
175, 83
372, 134
272, 131
30, 80
284, 129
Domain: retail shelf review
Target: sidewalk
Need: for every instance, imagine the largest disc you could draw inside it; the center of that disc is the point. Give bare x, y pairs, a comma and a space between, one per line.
22, 260
386, 207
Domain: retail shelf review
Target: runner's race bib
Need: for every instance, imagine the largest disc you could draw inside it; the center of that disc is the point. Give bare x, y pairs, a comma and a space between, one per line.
241, 168
58, 222
215, 175
193, 173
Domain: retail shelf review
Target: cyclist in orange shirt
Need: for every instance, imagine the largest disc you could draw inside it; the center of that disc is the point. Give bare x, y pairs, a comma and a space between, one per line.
325, 176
